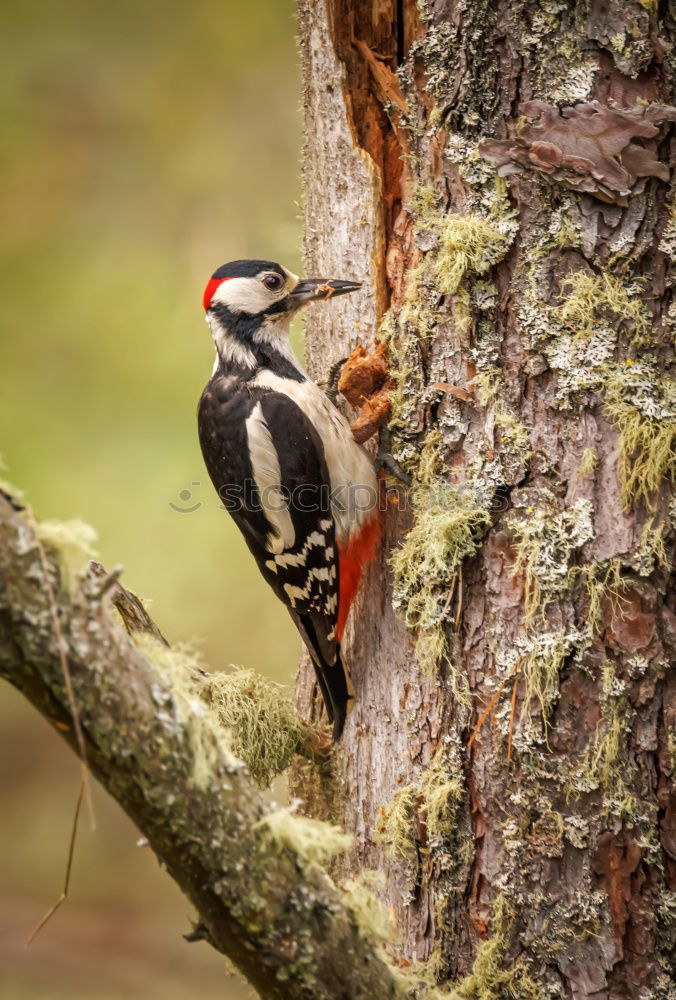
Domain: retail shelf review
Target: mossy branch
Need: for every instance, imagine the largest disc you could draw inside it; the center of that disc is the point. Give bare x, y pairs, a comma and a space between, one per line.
159, 748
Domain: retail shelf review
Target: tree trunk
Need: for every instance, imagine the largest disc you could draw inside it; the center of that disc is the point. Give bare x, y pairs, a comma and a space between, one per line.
509, 762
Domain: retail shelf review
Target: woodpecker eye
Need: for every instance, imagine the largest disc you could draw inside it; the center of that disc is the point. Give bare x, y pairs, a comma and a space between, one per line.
273, 282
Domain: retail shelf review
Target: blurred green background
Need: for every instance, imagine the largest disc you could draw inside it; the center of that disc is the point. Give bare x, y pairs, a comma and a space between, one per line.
143, 145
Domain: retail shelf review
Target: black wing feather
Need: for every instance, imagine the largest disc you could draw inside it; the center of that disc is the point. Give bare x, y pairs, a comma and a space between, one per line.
308, 568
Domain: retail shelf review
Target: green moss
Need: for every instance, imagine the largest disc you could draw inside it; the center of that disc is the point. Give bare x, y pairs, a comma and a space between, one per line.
446, 530
73, 544
311, 840
593, 301
643, 409
264, 727
394, 824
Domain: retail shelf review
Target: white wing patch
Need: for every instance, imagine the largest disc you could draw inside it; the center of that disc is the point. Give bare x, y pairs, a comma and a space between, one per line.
300, 558
268, 479
354, 488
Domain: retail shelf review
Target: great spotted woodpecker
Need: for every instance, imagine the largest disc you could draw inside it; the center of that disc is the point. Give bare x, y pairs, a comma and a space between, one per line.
284, 462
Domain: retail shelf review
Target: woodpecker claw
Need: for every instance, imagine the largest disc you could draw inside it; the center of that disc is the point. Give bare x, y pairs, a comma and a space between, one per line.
333, 379
384, 457
391, 464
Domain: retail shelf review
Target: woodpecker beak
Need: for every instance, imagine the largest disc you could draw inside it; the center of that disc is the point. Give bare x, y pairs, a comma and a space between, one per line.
314, 289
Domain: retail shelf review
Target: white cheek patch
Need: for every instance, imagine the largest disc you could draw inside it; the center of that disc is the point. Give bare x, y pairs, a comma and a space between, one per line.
247, 295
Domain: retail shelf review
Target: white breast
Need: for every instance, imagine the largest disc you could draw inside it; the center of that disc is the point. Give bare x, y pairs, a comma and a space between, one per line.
354, 488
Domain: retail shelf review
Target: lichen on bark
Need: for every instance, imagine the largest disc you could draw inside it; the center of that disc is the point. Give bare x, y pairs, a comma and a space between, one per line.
528, 313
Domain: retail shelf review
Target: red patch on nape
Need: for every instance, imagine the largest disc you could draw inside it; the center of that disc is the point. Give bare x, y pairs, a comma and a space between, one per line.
209, 291
353, 559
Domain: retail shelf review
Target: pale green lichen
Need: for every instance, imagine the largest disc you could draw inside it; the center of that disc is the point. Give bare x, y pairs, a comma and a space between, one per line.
671, 749
182, 667
588, 462
493, 975
667, 243
312, 841
576, 84
593, 302
598, 314
255, 716
651, 550
603, 584
467, 245
540, 667
441, 790
369, 914
605, 765
264, 727
643, 408
460, 246
487, 385
394, 824
435, 798
447, 527
513, 432
403, 352
73, 544
545, 540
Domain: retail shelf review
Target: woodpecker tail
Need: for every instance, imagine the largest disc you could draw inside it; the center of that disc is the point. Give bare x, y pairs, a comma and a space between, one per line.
334, 683
332, 673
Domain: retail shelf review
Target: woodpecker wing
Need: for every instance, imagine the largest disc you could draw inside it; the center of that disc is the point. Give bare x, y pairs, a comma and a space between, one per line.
267, 463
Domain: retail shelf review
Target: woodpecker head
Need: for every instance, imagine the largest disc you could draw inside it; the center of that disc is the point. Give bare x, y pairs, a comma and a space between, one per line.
249, 304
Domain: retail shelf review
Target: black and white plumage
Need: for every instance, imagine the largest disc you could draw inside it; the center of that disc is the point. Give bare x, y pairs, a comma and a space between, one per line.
284, 462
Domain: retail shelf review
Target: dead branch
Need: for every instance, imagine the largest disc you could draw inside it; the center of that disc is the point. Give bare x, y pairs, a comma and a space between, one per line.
261, 902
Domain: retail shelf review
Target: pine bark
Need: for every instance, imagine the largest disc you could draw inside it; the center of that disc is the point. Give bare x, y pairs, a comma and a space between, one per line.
521, 273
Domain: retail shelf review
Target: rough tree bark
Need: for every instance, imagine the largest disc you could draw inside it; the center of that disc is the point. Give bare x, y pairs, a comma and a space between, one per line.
499, 174
154, 743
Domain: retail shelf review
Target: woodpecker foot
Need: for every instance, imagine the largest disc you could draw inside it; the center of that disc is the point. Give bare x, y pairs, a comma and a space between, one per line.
333, 379
384, 457
391, 464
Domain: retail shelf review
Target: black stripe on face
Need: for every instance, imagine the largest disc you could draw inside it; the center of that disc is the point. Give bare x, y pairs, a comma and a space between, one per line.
242, 327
